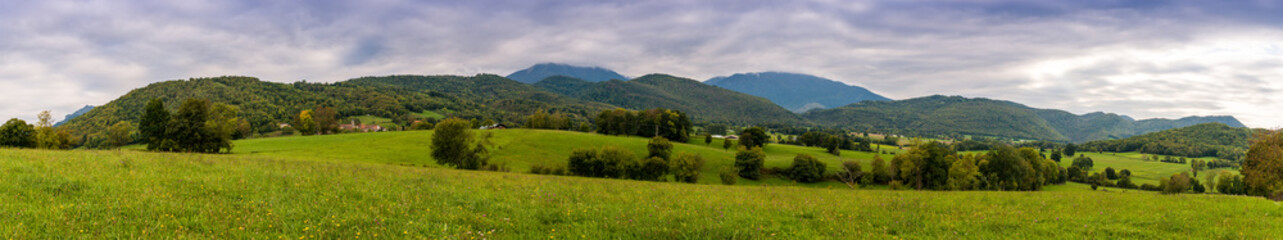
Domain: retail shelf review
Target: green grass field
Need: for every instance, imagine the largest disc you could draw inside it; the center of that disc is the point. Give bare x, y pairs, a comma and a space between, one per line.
521, 148
131, 194
1142, 171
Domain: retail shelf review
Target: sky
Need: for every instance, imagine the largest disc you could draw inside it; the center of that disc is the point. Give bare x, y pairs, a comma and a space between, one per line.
1145, 59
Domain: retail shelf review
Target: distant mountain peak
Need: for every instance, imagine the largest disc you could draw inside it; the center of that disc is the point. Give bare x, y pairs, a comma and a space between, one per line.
541, 71
73, 115
796, 91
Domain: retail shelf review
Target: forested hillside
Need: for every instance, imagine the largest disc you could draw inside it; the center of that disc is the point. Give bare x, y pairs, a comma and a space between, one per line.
951, 116
402, 98
1202, 140
796, 92
703, 102
940, 115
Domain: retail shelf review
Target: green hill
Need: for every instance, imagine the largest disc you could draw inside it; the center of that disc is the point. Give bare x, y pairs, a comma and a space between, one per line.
956, 116
264, 104
701, 101
940, 115
1202, 140
128, 194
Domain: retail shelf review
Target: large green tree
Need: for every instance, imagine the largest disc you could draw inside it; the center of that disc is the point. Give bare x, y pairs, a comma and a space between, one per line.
806, 169
749, 161
964, 174
305, 123
120, 134
188, 128
686, 167
881, 173
153, 124
659, 147
754, 137
1263, 168
452, 145
326, 120
17, 133
1008, 170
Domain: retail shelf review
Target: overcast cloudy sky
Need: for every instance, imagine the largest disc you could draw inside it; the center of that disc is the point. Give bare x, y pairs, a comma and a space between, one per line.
1139, 58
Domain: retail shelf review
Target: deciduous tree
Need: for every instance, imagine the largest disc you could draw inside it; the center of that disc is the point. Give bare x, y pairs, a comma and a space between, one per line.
452, 145
17, 133
120, 134
686, 167
1263, 167
749, 162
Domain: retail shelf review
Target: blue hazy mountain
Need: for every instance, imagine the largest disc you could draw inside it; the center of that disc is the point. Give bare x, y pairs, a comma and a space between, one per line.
796, 92
82, 111
544, 70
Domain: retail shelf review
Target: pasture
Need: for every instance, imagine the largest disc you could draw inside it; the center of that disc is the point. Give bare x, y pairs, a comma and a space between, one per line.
131, 194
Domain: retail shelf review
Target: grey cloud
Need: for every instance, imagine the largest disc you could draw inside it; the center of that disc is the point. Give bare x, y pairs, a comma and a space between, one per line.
98, 50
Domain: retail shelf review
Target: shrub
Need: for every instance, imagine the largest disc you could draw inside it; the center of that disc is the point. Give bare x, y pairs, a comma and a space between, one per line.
547, 170
749, 162
495, 168
607, 162
729, 175
685, 167
613, 161
1125, 182
421, 126
582, 162
1083, 162
1231, 184
880, 171
659, 147
648, 169
806, 169
896, 185
1110, 174
1177, 183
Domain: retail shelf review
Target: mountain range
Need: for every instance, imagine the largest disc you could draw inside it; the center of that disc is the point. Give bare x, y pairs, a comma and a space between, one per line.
796, 92
75, 114
957, 116
485, 96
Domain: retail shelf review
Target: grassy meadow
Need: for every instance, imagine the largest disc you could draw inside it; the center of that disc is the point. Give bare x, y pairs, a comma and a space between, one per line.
519, 149
132, 194
1143, 171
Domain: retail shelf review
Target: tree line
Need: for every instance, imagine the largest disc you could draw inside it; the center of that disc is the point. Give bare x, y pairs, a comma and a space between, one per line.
197, 126
18, 133
671, 124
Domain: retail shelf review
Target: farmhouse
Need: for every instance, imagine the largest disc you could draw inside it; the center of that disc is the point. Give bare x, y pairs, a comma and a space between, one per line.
495, 126
361, 127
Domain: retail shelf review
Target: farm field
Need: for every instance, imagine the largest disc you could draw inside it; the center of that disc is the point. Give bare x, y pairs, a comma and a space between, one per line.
131, 194
519, 149
1142, 171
